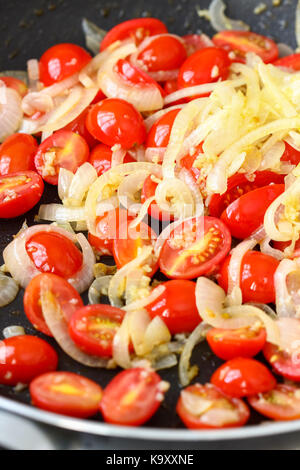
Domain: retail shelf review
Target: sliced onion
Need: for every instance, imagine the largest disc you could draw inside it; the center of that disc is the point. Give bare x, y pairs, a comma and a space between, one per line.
65, 179
130, 186
60, 213
151, 120
156, 334
190, 91
139, 320
298, 23
210, 299
269, 250
220, 21
84, 177
285, 305
265, 308
33, 70
98, 289
186, 176
93, 35
165, 362
174, 196
165, 234
121, 354
187, 373
84, 278
142, 303
284, 50
271, 159
234, 268
10, 111
289, 335
8, 290
118, 156
37, 102
12, 331
155, 154
58, 326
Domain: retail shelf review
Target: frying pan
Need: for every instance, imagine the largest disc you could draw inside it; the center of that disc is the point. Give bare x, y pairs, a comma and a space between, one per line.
27, 34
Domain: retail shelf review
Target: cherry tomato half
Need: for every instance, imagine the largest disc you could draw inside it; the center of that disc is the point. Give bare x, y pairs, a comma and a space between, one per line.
283, 245
132, 397
243, 377
63, 149
176, 306
101, 156
19, 192
114, 121
238, 185
16, 84
137, 29
246, 214
159, 134
78, 126
281, 404
204, 66
148, 191
93, 328
62, 61
243, 342
206, 407
290, 62
133, 75
163, 53
242, 42
65, 295
25, 357
17, 154
67, 394
45, 250
282, 362
195, 248
256, 278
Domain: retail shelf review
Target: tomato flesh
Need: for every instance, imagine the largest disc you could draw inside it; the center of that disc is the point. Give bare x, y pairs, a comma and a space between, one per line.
93, 328
243, 377
45, 251
291, 154
290, 62
244, 342
216, 410
246, 214
256, 278
159, 134
17, 154
22, 358
101, 156
163, 53
132, 397
78, 127
281, 404
66, 296
66, 393
195, 248
282, 362
19, 192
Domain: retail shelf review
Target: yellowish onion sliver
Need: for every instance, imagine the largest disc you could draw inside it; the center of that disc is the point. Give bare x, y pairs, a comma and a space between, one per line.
107, 205
65, 179
151, 120
271, 159
270, 221
155, 154
131, 185
8, 289
59, 213
156, 333
289, 329
59, 328
142, 213
142, 303
285, 306
174, 196
10, 111
297, 27
118, 156
269, 250
234, 268
13, 330
36, 101
220, 21
139, 320
84, 177
188, 179
121, 341
98, 289
84, 278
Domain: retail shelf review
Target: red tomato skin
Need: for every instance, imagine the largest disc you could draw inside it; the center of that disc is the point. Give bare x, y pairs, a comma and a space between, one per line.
32, 305
140, 27
246, 214
193, 422
27, 196
24, 358
45, 249
42, 398
282, 363
276, 411
242, 377
132, 75
78, 127
198, 68
239, 185
100, 158
17, 154
154, 210
227, 347
176, 306
111, 407
256, 279
163, 53
290, 62
16, 84
71, 149
242, 42
62, 61
159, 134
283, 245
290, 155
114, 121
82, 338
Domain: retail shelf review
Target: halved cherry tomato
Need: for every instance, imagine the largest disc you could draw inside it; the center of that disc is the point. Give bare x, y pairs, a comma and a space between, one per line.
22, 358
66, 393
176, 306
256, 278
19, 192
290, 62
291, 154
242, 42
204, 66
195, 248
134, 76
17, 154
132, 397
63, 149
243, 377
137, 29
66, 296
78, 126
282, 362
206, 407
246, 214
238, 185
243, 342
108, 228
129, 240
154, 210
53, 253
188, 161
195, 42
93, 328
100, 158
16, 84
163, 53
283, 245
281, 404
159, 134
62, 61
114, 121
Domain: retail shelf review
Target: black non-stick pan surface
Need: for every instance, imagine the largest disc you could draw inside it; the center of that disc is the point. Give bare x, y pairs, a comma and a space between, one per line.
27, 29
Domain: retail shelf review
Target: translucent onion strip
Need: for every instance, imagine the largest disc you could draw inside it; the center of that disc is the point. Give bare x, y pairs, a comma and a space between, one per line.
285, 306
8, 290
59, 213
10, 111
84, 177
